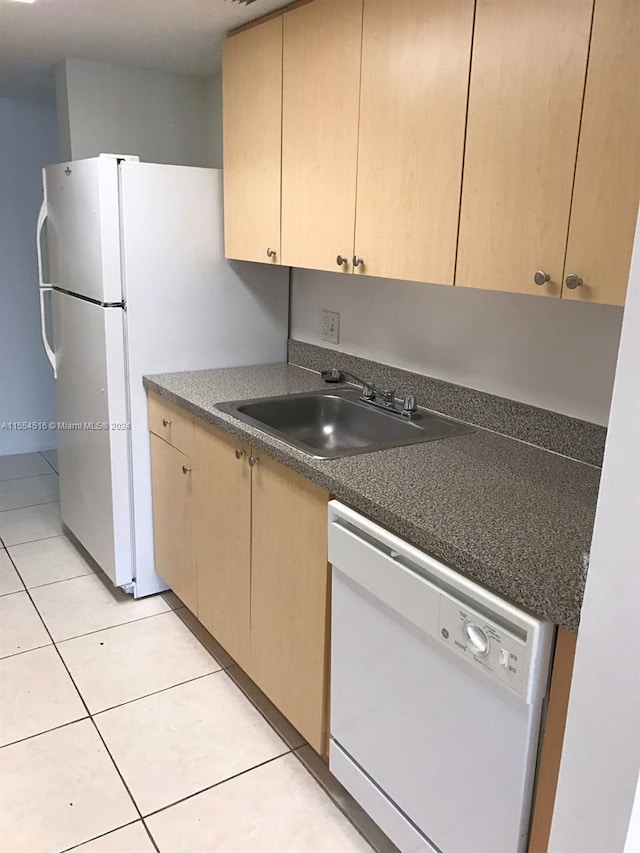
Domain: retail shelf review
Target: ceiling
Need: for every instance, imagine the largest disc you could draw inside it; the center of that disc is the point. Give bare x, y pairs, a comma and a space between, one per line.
183, 36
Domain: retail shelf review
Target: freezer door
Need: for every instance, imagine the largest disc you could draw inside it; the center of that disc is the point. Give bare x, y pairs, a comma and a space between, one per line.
93, 434
83, 228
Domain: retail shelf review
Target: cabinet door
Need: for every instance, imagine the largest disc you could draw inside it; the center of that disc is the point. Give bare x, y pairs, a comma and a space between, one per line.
252, 128
289, 596
223, 539
413, 105
607, 185
527, 79
321, 88
172, 484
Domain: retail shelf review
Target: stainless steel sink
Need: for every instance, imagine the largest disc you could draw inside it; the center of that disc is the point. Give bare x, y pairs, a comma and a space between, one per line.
330, 424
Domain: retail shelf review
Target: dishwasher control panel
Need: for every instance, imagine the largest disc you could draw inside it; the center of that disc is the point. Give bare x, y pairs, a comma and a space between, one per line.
498, 652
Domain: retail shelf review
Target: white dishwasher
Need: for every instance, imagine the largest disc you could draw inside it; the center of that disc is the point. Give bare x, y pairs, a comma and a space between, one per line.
437, 693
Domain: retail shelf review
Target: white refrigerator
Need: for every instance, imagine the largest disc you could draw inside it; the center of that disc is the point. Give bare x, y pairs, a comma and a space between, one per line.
138, 283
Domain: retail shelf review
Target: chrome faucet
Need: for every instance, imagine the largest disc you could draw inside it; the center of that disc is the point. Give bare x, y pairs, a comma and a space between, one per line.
371, 393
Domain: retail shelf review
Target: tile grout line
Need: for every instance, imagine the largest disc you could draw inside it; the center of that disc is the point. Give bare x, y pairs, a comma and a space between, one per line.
29, 506
30, 476
51, 583
103, 835
155, 812
42, 452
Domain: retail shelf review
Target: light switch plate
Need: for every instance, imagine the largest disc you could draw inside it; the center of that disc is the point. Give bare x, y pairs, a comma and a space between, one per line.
331, 327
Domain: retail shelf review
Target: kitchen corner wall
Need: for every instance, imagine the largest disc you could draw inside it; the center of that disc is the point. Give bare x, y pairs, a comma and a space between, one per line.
28, 141
160, 116
546, 352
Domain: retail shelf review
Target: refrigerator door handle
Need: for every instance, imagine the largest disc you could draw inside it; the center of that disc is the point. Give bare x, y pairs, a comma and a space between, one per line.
42, 218
43, 330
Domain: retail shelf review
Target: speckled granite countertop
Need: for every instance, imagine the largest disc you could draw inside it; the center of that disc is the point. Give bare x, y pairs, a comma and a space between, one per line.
513, 517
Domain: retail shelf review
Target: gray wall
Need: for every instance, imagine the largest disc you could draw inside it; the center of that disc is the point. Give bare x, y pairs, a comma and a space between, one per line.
601, 752
28, 141
546, 352
160, 116
214, 121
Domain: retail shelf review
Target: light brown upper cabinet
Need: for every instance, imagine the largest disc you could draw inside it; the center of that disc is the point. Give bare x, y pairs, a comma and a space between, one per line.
320, 96
252, 119
525, 99
607, 184
415, 78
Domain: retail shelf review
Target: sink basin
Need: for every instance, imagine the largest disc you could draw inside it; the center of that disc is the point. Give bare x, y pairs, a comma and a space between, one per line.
331, 424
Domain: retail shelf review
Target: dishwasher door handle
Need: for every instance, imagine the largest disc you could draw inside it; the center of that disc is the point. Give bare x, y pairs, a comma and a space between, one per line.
385, 574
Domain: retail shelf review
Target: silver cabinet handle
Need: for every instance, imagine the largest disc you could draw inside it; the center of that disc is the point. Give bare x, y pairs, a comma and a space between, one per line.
572, 281
271, 253
165, 422
185, 469
541, 277
358, 261
253, 461
341, 260
239, 454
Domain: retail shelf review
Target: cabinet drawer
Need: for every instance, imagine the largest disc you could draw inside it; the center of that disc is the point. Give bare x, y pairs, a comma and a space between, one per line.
171, 423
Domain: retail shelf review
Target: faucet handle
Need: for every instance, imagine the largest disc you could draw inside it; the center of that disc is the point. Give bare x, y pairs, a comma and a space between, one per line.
368, 393
333, 375
409, 406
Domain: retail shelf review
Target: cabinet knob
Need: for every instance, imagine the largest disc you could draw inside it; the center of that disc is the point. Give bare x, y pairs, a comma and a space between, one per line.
239, 454
357, 262
165, 422
541, 277
341, 260
572, 281
253, 461
185, 469
271, 253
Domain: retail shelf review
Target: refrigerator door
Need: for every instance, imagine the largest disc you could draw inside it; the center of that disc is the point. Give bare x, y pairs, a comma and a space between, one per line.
81, 206
93, 435
188, 308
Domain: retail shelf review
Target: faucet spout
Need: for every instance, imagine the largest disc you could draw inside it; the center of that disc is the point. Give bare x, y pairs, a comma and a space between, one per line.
384, 398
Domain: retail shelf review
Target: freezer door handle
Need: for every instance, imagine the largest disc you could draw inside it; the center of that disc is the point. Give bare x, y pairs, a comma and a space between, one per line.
43, 330
42, 218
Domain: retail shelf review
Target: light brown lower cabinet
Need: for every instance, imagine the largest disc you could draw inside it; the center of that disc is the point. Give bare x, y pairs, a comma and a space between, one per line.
173, 512
552, 739
242, 541
290, 596
222, 535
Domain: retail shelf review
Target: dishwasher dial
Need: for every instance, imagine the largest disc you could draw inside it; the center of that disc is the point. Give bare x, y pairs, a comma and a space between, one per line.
477, 638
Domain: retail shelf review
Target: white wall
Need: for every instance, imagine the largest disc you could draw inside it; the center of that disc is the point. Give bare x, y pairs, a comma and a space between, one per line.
28, 141
160, 116
601, 752
546, 352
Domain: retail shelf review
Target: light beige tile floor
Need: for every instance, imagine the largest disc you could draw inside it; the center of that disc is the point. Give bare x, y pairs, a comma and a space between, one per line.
36, 694
127, 714
29, 491
48, 560
9, 578
89, 603
277, 808
21, 628
29, 523
23, 465
132, 660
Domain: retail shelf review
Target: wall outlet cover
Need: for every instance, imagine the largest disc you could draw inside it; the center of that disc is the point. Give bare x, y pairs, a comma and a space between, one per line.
331, 327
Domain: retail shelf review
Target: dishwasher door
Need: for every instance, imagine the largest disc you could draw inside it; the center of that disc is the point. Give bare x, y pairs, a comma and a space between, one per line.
433, 733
